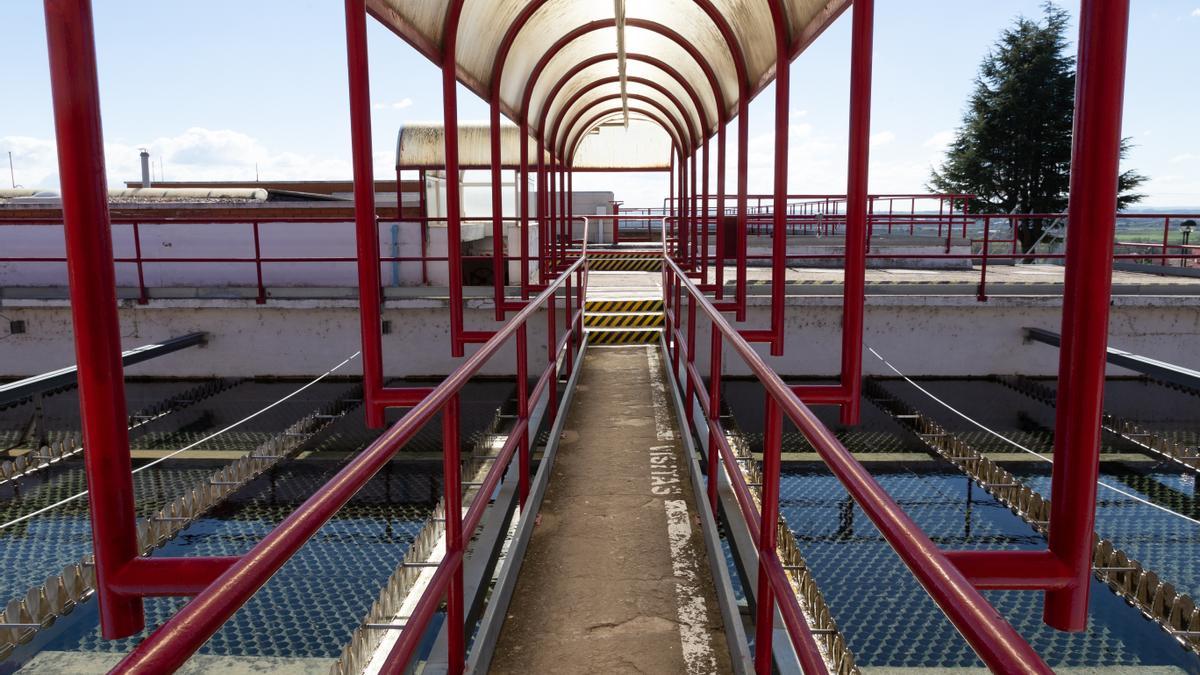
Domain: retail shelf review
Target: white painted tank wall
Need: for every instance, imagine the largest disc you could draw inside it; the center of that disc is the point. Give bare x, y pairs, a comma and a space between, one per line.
921, 335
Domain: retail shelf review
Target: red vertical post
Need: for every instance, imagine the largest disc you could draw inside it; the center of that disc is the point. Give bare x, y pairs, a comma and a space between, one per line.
570, 201
541, 209
1166, 238
981, 292
764, 621
143, 295
854, 283
552, 356
453, 198
692, 384
670, 200
92, 280
704, 216
523, 459
523, 177
497, 203
714, 415
779, 208
366, 229
1099, 89
452, 489
423, 212
743, 133
552, 220
720, 232
258, 269
694, 208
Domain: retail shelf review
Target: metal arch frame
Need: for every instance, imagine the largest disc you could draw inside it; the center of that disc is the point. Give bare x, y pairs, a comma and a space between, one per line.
681, 137
599, 118
666, 69
559, 141
739, 304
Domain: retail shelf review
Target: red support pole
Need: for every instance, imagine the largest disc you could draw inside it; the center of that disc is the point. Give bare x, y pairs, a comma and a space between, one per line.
854, 283
423, 210
704, 216
693, 209
1103, 35
453, 198
670, 200
452, 490
541, 210
743, 162
714, 415
143, 295
92, 280
497, 204
366, 229
779, 208
258, 271
764, 621
523, 458
720, 232
523, 190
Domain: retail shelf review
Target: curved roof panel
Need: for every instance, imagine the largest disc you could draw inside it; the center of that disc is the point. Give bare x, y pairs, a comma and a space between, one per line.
643, 146
522, 50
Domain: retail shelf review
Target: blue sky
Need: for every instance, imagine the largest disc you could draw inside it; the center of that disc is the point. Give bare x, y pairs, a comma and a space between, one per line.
215, 88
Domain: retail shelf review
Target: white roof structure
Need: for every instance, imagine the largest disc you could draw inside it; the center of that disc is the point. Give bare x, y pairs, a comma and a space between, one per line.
562, 66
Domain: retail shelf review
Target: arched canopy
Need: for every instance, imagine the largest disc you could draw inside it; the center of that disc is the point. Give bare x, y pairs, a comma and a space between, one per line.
534, 57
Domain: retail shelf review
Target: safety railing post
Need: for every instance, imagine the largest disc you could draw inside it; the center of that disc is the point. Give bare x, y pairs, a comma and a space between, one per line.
552, 353
452, 490
691, 360
714, 416
764, 623
523, 459
720, 228
981, 293
568, 324
1166, 239
258, 270
143, 295
1096, 149
92, 281
497, 203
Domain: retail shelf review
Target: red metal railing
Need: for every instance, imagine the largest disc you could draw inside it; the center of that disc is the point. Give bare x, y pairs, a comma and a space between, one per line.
172, 644
997, 642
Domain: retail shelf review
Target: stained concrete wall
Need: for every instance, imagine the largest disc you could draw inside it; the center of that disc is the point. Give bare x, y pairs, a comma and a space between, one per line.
920, 335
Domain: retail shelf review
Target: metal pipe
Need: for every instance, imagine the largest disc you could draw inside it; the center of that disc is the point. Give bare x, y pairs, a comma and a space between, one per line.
497, 203
1096, 151
92, 280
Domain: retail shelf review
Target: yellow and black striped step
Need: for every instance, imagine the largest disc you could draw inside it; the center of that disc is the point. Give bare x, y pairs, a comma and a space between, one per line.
636, 336
624, 306
623, 264
623, 320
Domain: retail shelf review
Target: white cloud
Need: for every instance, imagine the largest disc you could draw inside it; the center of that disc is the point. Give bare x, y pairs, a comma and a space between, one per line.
195, 154
398, 105
882, 138
939, 140
1196, 12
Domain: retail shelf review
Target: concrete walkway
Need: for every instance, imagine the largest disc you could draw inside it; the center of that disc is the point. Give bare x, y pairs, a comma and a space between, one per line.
615, 579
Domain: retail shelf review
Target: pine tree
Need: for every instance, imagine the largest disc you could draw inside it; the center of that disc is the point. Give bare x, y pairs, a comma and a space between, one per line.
1013, 150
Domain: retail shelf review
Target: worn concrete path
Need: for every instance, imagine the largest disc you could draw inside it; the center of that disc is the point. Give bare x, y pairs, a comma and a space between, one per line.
615, 579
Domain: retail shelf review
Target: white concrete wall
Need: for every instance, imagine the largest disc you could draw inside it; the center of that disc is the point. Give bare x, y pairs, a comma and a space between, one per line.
283, 338
956, 335
921, 335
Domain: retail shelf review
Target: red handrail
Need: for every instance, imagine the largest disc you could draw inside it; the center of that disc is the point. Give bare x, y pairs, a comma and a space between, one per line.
995, 641
168, 647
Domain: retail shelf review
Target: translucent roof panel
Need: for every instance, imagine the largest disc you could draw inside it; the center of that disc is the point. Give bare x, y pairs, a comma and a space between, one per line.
501, 44
644, 145
423, 146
